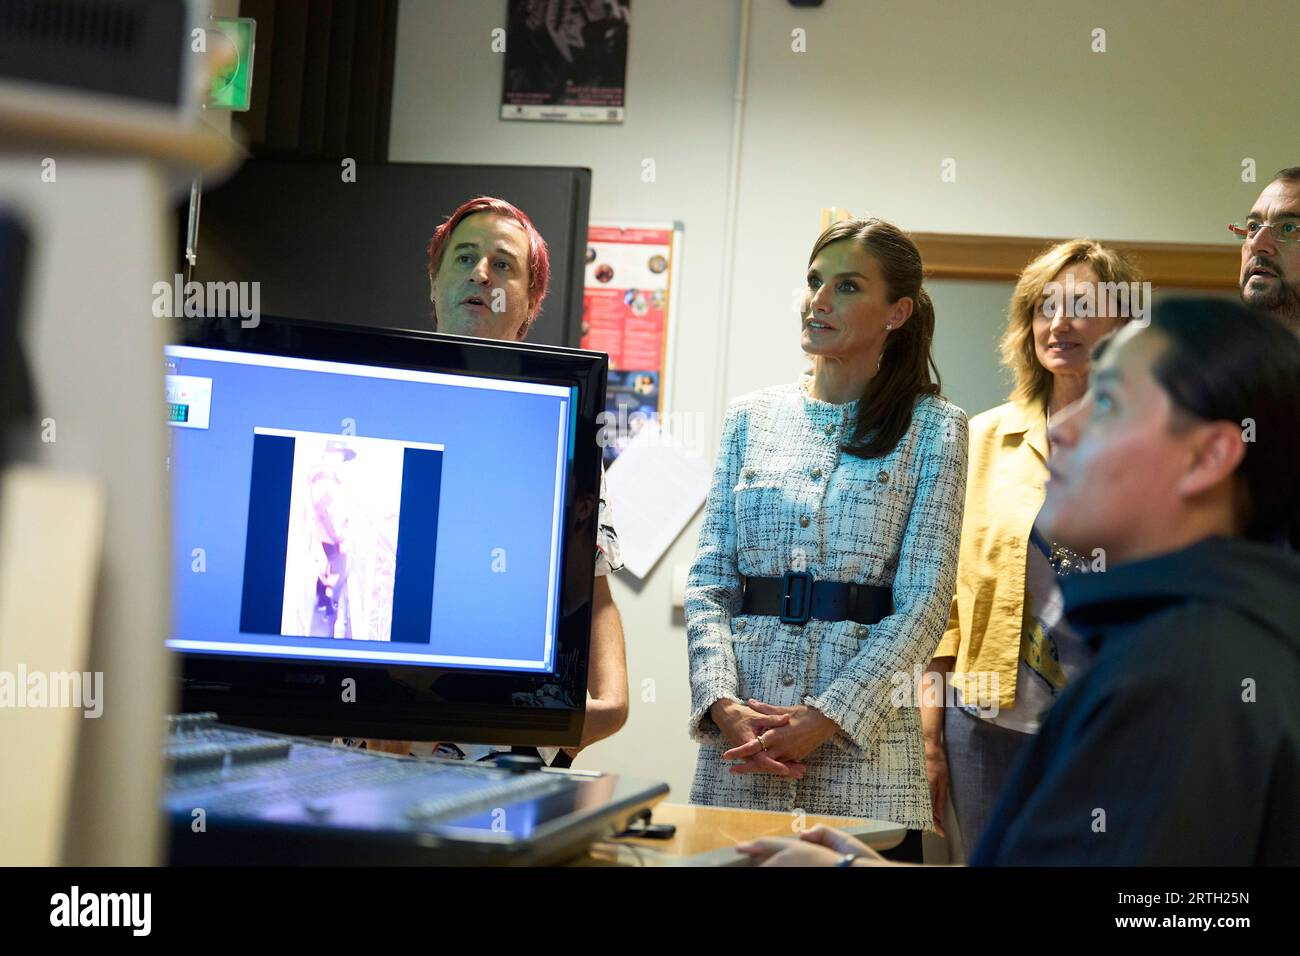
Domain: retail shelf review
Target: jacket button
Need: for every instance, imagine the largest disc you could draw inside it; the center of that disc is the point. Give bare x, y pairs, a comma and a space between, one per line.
740, 625
816, 474
803, 521
883, 477
787, 680
830, 429
749, 474
863, 630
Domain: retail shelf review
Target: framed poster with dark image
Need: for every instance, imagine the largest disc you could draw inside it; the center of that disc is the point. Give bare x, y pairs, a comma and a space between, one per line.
565, 60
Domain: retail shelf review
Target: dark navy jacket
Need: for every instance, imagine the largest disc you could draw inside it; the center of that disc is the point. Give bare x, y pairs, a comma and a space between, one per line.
1180, 745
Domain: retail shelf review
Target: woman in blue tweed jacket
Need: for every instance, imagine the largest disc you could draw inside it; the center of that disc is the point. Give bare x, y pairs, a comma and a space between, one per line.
853, 478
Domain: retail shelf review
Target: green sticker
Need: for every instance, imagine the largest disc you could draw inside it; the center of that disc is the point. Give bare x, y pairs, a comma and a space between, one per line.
230, 41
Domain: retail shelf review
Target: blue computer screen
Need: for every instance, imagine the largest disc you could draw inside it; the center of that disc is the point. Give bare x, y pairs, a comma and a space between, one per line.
353, 512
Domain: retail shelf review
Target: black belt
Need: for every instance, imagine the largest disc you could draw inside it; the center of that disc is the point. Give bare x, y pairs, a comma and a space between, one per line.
796, 599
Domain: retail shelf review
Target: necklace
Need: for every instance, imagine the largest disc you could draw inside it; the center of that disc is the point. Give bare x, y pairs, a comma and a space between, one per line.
1066, 561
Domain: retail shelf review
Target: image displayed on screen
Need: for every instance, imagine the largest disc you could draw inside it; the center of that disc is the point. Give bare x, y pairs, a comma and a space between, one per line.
353, 512
340, 555
342, 550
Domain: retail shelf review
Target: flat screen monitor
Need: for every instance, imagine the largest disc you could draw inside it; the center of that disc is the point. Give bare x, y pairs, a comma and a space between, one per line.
383, 533
353, 250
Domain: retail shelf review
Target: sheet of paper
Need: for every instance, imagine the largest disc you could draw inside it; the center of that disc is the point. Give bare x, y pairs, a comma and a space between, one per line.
655, 487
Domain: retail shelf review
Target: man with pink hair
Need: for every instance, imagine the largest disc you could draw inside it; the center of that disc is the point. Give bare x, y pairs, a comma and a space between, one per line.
488, 273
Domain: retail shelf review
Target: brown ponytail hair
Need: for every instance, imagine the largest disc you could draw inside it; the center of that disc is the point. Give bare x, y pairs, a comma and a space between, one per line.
885, 408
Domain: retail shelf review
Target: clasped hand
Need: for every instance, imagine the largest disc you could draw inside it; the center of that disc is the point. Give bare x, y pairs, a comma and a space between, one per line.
788, 735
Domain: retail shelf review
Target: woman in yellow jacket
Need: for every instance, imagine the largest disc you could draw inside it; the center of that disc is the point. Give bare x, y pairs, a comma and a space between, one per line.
1005, 653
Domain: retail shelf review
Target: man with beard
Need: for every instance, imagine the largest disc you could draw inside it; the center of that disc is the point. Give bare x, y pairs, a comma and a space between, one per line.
1270, 250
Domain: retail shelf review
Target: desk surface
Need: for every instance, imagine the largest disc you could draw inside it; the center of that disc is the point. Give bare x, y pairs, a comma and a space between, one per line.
707, 836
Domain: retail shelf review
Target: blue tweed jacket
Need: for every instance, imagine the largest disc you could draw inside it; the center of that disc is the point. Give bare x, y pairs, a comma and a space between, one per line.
785, 498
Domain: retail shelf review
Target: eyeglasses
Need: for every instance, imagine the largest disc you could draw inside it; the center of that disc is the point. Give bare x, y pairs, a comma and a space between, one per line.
1284, 231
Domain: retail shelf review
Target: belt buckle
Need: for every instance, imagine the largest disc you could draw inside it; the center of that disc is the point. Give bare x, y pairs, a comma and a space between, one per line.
796, 599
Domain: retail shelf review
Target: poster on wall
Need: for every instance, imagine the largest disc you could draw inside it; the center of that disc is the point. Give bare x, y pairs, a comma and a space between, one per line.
565, 60
627, 310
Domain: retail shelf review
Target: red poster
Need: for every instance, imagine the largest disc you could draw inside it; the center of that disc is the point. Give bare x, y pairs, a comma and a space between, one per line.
625, 302
625, 313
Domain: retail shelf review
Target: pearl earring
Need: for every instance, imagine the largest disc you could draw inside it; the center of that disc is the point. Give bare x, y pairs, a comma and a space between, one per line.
888, 326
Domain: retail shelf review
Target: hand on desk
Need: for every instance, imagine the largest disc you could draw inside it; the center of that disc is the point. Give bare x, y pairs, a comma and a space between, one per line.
820, 846
783, 745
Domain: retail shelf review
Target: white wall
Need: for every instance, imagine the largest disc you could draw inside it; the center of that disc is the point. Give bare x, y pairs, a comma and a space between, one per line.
1143, 142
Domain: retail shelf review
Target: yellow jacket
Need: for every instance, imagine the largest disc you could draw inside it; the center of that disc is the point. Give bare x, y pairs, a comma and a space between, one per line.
1005, 488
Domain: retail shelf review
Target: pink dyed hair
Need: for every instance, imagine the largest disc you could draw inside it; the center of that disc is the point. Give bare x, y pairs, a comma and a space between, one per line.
539, 260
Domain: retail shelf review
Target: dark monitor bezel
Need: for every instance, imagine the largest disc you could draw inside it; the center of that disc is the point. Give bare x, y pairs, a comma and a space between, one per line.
403, 702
